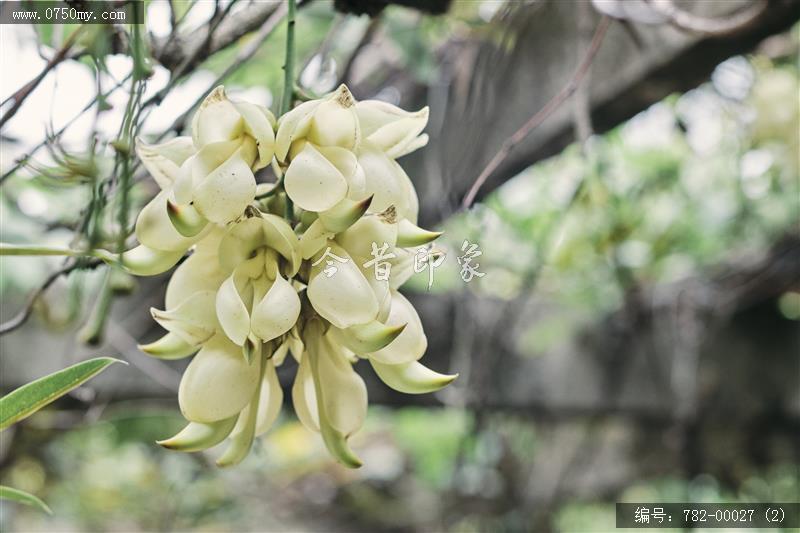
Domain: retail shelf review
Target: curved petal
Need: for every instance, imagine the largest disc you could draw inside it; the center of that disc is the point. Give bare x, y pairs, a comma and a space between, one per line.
269, 405
155, 230
239, 242
197, 436
331, 396
344, 298
411, 344
223, 195
193, 320
376, 114
293, 126
218, 383
412, 378
369, 229
313, 182
169, 347
277, 312
384, 179
314, 239
335, 121
216, 120
279, 236
344, 394
197, 273
142, 260
304, 397
390, 128
257, 124
163, 161
232, 312
344, 214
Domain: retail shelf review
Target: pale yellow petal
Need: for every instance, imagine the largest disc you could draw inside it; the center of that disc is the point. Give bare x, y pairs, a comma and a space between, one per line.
384, 179
277, 312
216, 120
411, 344
293, 126
232, 312
344, 298
194, 320
304, 397
223, 195
218, 383
258, 126
313, 182
163, 161
155, 230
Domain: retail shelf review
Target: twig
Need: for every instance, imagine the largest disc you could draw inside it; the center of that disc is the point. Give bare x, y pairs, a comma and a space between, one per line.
541, 115
244, 55
194, 55
25, 91
24, 159
288, 64
173, 50
288, 80
22, 316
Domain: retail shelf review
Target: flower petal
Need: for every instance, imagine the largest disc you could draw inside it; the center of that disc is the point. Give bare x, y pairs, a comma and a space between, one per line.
163, 161
239, 242
292, 126
258, 125
335, 121
218, 383
344, 394
227, 190
232, 312
344, 298
304, 396
216, 120
197, 273
269, 404
411, 343
412, 378
155, 230
384, 179
197, 436
277, 312
390, 128
313, 182
193, 320
169, 347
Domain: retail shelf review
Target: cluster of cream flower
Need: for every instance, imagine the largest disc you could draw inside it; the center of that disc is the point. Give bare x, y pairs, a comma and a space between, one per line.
256, 287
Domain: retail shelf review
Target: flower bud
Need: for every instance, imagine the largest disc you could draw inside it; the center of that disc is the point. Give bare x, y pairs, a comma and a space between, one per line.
218, 383
391, 129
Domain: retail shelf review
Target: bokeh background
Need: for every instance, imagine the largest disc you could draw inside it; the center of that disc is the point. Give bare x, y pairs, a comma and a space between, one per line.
635, 336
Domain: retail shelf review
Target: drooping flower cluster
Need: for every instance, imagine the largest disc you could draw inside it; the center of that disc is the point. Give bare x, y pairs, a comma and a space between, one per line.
258, 286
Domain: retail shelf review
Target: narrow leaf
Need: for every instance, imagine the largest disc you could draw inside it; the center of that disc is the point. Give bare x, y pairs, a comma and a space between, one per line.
32, 396
20, 496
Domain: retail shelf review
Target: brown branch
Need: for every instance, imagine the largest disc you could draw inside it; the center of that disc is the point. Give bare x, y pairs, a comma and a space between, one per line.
541, 115
244, 55
173, 52
22, 316
23, 92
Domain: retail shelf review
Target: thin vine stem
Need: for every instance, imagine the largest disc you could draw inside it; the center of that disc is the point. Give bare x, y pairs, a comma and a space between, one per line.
288, 80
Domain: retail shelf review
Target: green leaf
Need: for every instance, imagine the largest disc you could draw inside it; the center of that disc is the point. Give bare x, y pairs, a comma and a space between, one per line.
32, 396
20, 496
